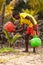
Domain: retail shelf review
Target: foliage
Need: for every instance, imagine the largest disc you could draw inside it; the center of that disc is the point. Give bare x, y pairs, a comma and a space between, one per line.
7, 35
32, 6
7, 49
20, 5
15, 37
32, 12
8, 9
1, 2
36, 5
8, 1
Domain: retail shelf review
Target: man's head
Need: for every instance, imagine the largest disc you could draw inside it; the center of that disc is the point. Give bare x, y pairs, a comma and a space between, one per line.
16, 14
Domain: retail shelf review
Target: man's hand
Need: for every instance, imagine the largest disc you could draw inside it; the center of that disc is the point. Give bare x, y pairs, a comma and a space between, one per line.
36, 29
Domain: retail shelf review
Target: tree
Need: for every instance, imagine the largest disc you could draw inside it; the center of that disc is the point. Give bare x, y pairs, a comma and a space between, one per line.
1, 3
8, 1
20, 5
36, 5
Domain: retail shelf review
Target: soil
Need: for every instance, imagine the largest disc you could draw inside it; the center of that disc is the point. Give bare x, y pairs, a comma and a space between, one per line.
22, 58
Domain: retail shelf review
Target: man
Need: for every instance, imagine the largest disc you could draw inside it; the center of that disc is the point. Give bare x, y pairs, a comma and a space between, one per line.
29, 20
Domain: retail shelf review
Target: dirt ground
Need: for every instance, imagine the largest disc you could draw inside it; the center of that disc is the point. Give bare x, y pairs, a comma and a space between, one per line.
21, 58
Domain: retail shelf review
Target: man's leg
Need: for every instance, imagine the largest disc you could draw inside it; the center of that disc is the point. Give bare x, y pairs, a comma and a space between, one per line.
26, 43
34, 50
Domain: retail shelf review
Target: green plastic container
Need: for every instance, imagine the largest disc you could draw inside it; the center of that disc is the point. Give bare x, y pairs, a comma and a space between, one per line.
35, 42
36, 36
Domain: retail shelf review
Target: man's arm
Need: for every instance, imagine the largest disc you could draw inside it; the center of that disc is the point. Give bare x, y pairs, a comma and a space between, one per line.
20, 29
29, 18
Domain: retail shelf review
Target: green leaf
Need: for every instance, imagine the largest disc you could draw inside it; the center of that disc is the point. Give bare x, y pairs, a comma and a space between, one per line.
15, 38
7, 35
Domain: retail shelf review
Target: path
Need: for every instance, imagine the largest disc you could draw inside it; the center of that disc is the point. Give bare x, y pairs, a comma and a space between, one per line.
21, 58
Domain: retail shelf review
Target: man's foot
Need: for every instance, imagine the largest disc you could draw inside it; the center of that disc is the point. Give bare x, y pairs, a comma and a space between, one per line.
25, 51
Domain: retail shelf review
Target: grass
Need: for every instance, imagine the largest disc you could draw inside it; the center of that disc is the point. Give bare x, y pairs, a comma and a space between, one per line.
7, 49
